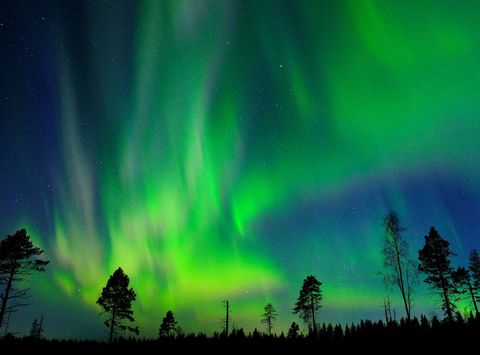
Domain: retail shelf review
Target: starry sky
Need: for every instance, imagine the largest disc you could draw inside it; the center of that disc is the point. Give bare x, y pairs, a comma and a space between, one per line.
226, 149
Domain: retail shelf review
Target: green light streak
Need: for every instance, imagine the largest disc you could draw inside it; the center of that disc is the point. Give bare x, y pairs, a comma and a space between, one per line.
231, 117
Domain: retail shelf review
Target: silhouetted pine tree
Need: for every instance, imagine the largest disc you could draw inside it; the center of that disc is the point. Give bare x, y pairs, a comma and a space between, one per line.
168, 325
116, 300
256, 334
424, 323
338, 332
347, 334
435, 322
329, 332
308, 301
353, 330
464, 287
435, 262
37, 329
17, 262
293, 331
474, 268
269, 317
459, 321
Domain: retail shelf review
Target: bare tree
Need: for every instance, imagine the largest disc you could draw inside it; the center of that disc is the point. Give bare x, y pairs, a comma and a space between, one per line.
226, 321
399, 269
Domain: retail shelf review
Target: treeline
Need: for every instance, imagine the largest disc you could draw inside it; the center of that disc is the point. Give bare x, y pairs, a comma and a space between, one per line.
19, 258
406, 335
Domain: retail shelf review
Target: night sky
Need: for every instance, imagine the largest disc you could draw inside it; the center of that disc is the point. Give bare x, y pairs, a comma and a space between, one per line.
226, 149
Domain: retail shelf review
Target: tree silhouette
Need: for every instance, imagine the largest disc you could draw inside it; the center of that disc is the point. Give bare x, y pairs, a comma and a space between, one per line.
474, 267
17, 262
308, 301
37, 329
435, 262
399, 269
463, 285
293, 331
424, 323
269, 317
226, 321
168, 324
116, 300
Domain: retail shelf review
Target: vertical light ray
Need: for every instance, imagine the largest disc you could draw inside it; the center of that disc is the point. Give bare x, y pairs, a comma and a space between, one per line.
247, 144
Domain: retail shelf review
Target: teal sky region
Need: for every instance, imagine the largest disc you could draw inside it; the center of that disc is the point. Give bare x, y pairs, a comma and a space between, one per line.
226, 149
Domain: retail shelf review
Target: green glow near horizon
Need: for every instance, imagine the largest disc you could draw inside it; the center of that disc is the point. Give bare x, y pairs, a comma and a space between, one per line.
193, 161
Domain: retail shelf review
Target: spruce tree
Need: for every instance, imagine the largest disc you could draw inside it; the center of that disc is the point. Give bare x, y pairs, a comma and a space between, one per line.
293, 331
168, 325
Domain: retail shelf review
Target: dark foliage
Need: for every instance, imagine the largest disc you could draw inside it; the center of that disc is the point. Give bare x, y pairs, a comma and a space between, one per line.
168, 325
37, 329
435, 262
293, 331
464, 288
308, 302
474, 268
116, 300
17, 261
367, 335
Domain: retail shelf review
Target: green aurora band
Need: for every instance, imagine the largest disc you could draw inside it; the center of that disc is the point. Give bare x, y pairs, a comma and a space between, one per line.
237, 113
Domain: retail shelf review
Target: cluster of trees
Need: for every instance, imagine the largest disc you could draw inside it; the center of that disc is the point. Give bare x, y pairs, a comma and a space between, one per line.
450, 284
428, 334
116, 301
37, 329
19, 258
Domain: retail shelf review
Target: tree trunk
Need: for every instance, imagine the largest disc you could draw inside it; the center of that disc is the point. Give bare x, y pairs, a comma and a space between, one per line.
112, 323
5, 297
386, 314
313, 319
400, 279
473, 296
446, 299
226, 322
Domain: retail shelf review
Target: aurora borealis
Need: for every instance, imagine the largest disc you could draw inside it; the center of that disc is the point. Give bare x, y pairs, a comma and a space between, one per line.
226, 149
